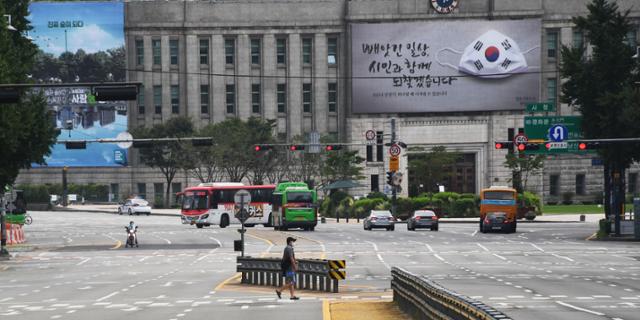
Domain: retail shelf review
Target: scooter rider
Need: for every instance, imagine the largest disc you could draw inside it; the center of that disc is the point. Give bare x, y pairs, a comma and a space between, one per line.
134, 227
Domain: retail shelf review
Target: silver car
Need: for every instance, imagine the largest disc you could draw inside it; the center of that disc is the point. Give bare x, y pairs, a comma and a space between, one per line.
423, 219
379, 219
135, 206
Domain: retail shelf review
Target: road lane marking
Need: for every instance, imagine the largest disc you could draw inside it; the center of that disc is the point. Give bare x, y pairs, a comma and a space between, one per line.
534, 245
108, 296
118, 245
429, 247
499, 256
223, 283
83, 261
216, 240
483, 247
579, 309
438, 257
562, 257
474, 233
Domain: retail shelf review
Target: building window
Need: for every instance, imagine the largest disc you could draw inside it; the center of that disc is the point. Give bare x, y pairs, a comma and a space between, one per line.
332, 51
175, 99
333, 96
552, 44
306, 97
255, 51
175, 188
157, 99
204, 51
554, 184
630, 39
255, 98
307, 46
379, 146
141, 102
578, 39
158, 194
552, 89
632, 184
142, 190
231, 98
281, 93
281, 50
204, 99
375, 185
229, 50
173, 51
580, 184
139, 52
155, 45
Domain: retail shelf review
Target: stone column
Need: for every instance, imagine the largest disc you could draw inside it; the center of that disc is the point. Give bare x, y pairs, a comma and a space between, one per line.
192, 99
294, 86
243, 84
320, 97
217, 66
269, 84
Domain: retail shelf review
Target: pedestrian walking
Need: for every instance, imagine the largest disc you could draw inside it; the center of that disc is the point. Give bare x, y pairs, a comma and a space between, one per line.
289, 267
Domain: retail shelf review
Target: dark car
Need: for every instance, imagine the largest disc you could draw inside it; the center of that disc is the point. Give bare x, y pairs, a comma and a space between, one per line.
495, 221
379, 219
423, 219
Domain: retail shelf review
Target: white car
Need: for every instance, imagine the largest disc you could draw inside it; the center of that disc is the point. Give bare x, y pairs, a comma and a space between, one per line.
135, 206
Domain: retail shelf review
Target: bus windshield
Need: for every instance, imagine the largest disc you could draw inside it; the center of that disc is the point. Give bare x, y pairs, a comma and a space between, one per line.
300, 197
195, 200
498, 195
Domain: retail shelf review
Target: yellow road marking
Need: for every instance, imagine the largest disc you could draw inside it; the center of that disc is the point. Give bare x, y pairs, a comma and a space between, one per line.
326, 310
118, 245
260, 238
591, 236
4, 268
223, 283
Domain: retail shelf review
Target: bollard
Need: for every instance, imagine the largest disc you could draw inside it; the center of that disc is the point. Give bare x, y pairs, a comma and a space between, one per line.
261, 278
306, 281
314, 282
327, 284
582, 218
323, 220
322, 281
335, 286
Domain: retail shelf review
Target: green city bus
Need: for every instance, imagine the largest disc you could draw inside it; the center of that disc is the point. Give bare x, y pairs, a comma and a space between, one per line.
293, 206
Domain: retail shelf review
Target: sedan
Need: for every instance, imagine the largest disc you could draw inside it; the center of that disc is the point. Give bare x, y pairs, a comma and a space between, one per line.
423, 219
135, 206
494, 221
379, 219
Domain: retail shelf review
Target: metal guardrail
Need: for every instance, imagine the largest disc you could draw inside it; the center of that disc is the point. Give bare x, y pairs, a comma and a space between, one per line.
313, 274
425, 299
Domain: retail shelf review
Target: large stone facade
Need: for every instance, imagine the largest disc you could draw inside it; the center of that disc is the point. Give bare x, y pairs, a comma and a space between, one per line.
283, 60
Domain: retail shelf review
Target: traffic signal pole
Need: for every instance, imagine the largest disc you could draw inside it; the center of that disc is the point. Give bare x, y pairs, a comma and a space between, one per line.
393, 187
4, 254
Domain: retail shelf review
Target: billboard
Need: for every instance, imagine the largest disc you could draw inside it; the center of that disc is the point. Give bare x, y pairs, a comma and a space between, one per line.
81, 42
445, 66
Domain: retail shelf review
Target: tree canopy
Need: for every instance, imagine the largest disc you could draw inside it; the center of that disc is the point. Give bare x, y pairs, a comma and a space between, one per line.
27, 133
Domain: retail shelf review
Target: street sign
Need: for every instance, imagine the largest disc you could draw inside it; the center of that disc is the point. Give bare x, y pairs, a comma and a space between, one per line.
394, 163
314, 142
397, 179
124, 136
370, 135
519, 139
558, 133
537, 129
541, 107
242, 198
395, 150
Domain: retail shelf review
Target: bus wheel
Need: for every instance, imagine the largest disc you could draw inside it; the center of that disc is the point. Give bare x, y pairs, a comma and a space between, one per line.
199, 225
224, 221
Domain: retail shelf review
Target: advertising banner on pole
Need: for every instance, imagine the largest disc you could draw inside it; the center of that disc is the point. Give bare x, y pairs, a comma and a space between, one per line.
445, 66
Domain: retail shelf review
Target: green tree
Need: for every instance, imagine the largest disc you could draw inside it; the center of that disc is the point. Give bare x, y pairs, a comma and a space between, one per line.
602, 86
430, 168
168, 156
341, 165
523, 168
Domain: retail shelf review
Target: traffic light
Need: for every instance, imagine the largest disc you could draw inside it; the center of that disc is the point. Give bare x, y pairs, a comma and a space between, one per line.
262, 147
9, 95
296, 147
333, 147
115, 93
506, 145
201, 142
592, 145
143, 143
74, 145
528, 147
390, 177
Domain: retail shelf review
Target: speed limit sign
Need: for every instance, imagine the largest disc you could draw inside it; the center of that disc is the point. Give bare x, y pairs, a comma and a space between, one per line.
395, 150
519, 139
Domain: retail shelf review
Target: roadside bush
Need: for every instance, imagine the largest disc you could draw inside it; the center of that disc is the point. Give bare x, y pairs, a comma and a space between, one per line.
531, 200
404, 208
377, 195
344, 207
35, 193
362, 207
420, 203
464, 208
567, 197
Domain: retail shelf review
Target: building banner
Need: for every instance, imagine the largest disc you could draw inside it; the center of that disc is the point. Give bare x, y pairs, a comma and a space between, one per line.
81, 42
445, 66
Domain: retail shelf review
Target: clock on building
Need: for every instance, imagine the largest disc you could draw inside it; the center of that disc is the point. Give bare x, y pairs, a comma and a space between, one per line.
444, 6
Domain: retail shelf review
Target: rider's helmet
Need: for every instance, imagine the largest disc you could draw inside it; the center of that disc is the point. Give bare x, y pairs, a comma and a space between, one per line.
130, 222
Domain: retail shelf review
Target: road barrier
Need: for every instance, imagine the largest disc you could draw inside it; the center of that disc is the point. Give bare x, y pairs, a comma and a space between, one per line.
15, 233
425, 299
313, 274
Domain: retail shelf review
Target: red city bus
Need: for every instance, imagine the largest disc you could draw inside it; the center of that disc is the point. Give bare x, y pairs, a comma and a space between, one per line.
212, 204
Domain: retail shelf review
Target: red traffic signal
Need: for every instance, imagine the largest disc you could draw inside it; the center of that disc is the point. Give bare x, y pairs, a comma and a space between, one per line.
262, 147
522, 147
333, 147
582, 146
504, 145
296, 147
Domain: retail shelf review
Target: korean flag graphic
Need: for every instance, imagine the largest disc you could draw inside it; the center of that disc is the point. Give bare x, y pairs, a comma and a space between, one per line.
493, 55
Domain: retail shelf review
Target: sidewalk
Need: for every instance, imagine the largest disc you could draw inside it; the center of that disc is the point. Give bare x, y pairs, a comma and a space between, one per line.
113, 208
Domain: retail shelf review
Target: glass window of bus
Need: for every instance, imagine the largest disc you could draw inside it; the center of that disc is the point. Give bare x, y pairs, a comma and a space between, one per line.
302, 196
261, 195
195, 200
226, 195
498, 195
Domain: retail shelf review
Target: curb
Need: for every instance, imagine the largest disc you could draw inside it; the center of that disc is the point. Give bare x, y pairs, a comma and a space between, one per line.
112, 212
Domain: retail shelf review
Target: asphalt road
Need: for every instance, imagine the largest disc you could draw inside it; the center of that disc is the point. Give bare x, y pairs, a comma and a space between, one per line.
74, 267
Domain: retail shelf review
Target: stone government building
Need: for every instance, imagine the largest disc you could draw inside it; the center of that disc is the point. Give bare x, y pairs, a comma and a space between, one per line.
293, 61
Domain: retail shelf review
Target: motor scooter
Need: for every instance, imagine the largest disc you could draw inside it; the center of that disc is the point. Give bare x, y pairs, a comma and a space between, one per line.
132, 237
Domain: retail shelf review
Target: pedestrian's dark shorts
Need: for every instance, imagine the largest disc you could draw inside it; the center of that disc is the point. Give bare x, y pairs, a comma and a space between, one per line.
290, 277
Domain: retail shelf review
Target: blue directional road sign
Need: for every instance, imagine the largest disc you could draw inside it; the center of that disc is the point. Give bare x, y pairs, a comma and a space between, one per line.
558, 133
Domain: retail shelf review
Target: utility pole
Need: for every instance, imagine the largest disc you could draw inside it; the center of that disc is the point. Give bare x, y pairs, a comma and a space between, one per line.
4, 254
393, 187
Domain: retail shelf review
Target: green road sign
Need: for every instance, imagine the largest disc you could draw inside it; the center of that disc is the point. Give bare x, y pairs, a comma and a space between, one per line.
537, 130
541, 107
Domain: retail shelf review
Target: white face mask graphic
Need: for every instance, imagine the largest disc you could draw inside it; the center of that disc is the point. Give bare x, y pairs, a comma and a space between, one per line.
492, 55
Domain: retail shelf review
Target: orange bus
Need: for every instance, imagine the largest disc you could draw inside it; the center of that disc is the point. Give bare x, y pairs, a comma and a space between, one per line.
498, 209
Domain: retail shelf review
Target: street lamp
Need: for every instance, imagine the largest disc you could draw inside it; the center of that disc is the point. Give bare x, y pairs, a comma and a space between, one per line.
9, 26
